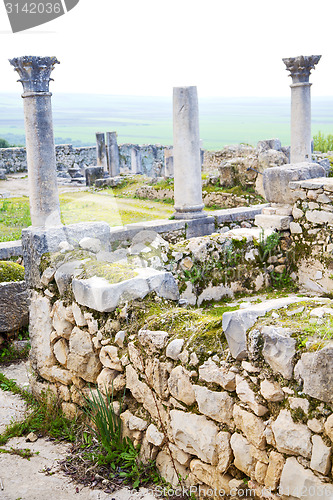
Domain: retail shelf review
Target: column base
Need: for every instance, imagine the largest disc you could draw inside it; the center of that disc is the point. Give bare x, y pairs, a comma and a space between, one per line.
194, 212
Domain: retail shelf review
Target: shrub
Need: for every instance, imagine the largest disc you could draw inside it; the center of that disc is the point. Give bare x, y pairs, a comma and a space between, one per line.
10, 271
323, 143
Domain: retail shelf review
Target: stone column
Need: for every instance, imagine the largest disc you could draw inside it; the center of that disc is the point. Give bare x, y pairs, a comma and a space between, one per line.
102, 160
300, 68
186, 154
34, 75
112, 153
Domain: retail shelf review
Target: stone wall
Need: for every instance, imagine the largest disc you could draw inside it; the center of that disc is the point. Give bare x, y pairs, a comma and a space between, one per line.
13, 160
239, 400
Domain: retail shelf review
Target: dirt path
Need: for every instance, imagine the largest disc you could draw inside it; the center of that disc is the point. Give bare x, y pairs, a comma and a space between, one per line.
39, 478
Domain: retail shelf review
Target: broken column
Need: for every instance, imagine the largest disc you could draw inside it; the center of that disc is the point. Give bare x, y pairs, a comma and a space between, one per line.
136, 163
113, 153
300, 68
186, 154
101, 151
34, 75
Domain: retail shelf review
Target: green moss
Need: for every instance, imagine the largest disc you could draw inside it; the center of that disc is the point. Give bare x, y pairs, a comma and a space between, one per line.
112, 272
10, 271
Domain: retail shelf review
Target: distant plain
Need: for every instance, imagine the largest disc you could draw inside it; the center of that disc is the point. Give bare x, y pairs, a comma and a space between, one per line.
148, 120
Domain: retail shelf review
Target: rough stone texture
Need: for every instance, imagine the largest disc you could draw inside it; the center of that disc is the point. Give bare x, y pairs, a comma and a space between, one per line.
97, 293
152, 341
195, 434
321, 456
210, 476
316, 371
110, 381
166, 468
14, 312
274, 470
245, 394
180, 386
276, 180
81, 358
60, 350
291, 438
235, 324
253, 427
209, 371
241, 448
271, 391
109, 358
174, 349
216, 405
224, 451
279, 350
298, 482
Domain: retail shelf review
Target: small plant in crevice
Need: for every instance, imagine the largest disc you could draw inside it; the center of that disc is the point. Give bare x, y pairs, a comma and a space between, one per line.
113, 450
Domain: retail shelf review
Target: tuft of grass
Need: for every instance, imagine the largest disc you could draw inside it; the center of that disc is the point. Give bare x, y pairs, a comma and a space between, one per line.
322, 142
21, 452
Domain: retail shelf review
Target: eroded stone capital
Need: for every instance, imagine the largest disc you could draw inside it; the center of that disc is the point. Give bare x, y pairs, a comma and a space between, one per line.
34, 72
300, 67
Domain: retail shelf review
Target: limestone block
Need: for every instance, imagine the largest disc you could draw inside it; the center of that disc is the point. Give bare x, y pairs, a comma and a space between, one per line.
60, 350
252, 426
321, 456
148, 452
295, 228
315, 425
80, 320
329, 427
224, 451
211, 372
236, 323
144, 395
80, 342
276, 180
154, 436
319, 216
120, 338
216, 405
174, 348
210, 476
14, 309
242, 453
62, 326
195, 434
97, 293
135, 357
69, 410
64, 394
278, 222
260, 472
167, 471
291, 438
298, 482
271, 391
132, 427
91, 244
40, 329
245, 394
157, 374
179, 455
65, 274
91, 322
297, 213
279, 350
315, 369
180, 386
302, 403
109, 358
110, 381
87, 366
57, 374
152, 341
274, 471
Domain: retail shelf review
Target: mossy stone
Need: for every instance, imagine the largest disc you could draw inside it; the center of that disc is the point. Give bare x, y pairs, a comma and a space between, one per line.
10, 271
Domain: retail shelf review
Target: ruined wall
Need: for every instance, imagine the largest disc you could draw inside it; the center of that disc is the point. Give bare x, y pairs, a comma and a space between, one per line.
232, 395
151, 157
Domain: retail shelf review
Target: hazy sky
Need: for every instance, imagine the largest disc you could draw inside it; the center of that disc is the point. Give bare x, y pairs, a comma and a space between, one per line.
145, 47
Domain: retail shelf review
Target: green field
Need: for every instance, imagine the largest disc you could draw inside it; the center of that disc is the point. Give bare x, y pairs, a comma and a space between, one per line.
144, 120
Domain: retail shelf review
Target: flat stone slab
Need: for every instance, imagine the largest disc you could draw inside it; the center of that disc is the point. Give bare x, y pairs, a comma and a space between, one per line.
12, 407
235, 324
101, 295
10, 249
325, 183
278, 222
251, 233
14, 309
277, 179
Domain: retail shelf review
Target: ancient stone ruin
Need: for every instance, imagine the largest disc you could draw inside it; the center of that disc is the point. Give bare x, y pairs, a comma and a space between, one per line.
243, 394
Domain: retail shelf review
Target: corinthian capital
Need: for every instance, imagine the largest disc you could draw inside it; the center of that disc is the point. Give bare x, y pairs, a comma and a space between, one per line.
300, 67
34, 72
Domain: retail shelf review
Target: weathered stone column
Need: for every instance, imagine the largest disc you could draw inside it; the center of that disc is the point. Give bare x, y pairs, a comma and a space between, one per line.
300, 68
136, 164
34, 75
186, 154
102, 160
112, 153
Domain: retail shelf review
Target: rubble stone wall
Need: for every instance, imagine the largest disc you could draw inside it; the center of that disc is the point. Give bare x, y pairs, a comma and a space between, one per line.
13, 160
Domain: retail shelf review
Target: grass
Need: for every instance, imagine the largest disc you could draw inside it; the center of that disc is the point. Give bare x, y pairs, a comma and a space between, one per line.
8, 353
322, 142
